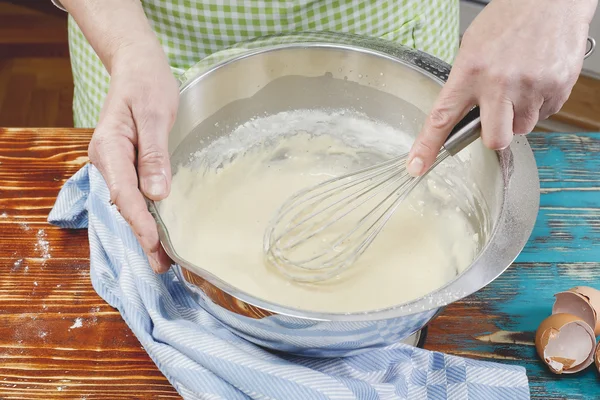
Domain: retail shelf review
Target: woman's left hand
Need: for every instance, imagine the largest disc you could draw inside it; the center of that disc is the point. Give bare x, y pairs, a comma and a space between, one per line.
518, 61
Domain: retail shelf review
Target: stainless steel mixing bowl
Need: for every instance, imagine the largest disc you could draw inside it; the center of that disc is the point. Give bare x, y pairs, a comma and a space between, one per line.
387, 82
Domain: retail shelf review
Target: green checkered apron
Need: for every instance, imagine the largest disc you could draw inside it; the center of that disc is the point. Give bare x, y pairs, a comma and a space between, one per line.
190, 30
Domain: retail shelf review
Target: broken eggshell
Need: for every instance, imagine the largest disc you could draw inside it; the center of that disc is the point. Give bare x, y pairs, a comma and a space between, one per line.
582, 301
593, 295
566, 343
597, 357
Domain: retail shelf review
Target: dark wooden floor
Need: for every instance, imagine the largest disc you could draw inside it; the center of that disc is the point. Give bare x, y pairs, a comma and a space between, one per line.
36, 85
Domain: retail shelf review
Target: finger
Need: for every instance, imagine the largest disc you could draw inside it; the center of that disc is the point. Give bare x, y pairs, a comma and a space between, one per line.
496, 122
113, 154
526, 112
525, 119
164, 261
453, 102
153, 166
552, 105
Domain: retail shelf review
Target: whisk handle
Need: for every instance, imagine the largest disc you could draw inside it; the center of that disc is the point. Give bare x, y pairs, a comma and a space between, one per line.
464, 133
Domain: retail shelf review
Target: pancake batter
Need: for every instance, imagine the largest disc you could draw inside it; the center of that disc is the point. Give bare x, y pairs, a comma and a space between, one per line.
217, 218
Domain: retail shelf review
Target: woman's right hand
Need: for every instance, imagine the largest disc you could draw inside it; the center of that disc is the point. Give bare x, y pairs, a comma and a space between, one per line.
129, 145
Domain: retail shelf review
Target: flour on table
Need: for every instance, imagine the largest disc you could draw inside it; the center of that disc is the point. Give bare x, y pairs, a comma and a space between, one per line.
42, 245
77, 324
17, 264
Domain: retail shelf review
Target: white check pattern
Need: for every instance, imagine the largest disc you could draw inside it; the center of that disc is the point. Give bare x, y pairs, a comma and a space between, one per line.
205, 360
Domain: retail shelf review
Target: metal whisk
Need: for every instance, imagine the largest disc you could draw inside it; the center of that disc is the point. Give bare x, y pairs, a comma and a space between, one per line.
320, 231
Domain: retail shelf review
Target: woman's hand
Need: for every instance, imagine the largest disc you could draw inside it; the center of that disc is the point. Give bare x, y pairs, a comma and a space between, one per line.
518, 61
129, 145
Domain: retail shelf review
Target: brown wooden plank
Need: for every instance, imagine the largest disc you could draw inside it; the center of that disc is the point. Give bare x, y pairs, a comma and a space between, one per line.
35, 7
12, 7
33, 91
19, 25
43, 108
17, 99
36, 84
5, 71
21, 20
50, 73
33, 34
65, 107
583, 107
44, 353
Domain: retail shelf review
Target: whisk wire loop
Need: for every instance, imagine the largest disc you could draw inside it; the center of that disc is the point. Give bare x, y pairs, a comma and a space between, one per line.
322, 230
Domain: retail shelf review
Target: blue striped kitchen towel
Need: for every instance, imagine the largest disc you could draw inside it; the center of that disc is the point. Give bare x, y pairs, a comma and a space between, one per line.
204, 360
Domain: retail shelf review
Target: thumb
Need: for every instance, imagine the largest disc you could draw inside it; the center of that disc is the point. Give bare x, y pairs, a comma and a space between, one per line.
153, 166
453, 102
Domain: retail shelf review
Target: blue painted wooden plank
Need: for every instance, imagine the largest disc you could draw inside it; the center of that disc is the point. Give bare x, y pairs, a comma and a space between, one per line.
565, 235
522, 298
498, 323
568, 225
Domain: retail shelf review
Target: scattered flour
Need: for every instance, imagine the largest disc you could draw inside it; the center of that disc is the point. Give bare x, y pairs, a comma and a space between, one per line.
94, 311
77, 324
42, 245
17, 264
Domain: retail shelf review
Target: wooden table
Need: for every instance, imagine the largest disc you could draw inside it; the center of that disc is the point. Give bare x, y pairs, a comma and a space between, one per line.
59, 339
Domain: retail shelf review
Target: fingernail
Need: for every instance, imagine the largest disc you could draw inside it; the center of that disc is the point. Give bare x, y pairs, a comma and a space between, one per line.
164, 260
155, 185
154, 264
415, 166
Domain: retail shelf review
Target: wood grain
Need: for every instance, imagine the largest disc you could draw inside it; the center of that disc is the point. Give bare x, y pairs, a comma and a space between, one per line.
36, 84
583, 107
44, 292
498, 323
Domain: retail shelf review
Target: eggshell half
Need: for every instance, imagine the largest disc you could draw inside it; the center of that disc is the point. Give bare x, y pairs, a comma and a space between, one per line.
566, 343
572, 302
593, 296
597, 357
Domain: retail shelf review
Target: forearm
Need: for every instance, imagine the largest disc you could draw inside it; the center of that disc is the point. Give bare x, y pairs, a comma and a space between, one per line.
112, 26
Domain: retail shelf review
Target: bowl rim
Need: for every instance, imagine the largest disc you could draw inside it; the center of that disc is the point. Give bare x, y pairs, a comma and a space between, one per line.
515, 223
